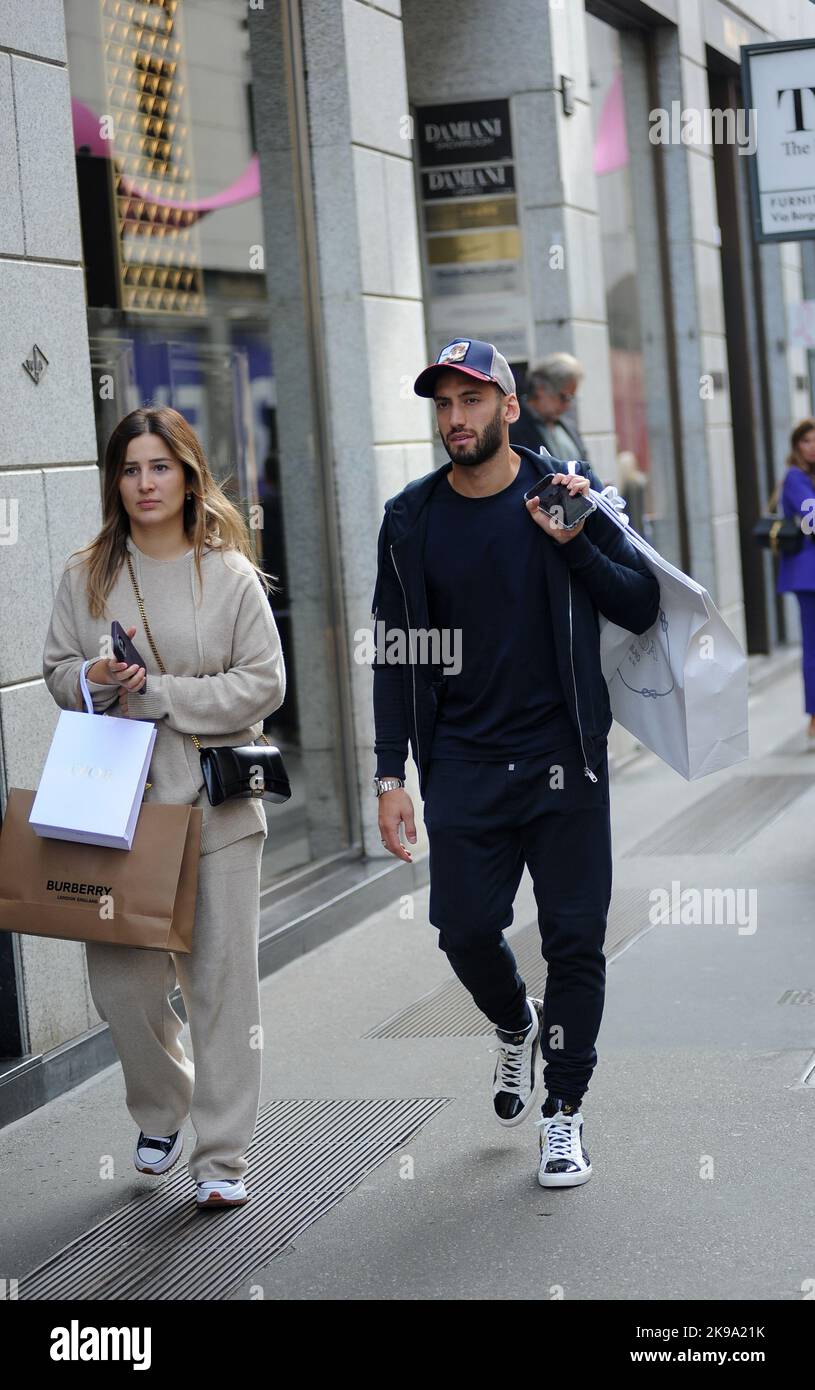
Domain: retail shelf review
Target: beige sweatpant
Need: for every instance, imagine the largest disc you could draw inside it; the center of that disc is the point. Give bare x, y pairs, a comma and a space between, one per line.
219, 984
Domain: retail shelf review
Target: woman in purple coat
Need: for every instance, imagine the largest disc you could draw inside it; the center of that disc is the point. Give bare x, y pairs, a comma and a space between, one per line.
796, 573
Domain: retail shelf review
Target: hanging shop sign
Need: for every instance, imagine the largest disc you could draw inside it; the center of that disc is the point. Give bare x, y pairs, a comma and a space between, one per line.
778, 82
472, 236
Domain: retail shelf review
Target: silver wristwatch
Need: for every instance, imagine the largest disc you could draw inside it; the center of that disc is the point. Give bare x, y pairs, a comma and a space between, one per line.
387, 784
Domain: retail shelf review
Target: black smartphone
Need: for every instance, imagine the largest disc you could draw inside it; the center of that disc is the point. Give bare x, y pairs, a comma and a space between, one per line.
572, 508
123, 648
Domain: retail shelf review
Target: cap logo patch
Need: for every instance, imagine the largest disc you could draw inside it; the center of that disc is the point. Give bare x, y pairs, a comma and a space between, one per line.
455, 352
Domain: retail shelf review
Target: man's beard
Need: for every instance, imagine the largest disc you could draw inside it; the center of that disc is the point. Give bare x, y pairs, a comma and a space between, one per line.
485, 444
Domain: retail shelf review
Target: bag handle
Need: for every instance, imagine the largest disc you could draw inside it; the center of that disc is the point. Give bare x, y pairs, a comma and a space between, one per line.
772, 500
609, 494
83, 685
153, 646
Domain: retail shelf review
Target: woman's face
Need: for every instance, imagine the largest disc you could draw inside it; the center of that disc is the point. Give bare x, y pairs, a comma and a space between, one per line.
806, 446
152, 483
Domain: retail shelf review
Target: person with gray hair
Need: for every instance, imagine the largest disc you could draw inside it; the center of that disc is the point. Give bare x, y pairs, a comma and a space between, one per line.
551, 387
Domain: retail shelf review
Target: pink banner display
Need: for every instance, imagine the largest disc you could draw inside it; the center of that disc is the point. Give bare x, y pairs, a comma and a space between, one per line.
611, 145
245, 186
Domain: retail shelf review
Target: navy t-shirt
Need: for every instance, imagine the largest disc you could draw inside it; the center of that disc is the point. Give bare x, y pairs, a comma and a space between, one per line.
485, 575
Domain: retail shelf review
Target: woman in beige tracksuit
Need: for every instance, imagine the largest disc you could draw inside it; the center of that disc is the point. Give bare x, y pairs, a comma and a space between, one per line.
207, 609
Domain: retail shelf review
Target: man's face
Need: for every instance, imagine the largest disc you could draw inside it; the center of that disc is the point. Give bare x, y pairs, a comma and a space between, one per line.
472, 417
551, 404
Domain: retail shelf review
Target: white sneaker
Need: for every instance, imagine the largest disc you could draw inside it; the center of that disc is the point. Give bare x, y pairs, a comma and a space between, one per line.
518, 1069
157, 1154
563, 1160
227, 1192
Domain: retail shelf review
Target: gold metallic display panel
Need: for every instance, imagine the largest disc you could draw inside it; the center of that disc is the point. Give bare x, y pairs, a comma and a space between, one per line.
481, 212
158, 243
474, 246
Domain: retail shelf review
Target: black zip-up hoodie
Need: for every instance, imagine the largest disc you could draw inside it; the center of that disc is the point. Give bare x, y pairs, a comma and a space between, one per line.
597, 571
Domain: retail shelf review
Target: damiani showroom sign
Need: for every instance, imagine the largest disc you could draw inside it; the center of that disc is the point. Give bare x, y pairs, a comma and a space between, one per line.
778, 82
472, 234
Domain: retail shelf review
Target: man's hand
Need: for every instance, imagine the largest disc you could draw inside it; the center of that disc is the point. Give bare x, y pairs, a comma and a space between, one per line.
394, 808
574, 484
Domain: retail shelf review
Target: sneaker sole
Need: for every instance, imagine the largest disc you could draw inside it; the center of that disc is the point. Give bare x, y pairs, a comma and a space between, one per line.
214, 1200
564, 1179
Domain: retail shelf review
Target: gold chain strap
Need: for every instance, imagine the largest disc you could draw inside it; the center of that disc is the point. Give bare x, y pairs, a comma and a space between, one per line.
153, 646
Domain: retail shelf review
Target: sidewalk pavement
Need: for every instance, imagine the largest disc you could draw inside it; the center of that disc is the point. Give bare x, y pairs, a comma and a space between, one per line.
698, 1121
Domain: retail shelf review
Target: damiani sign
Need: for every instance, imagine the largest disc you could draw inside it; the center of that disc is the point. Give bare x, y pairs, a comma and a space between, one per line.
469, 180
778, 81
464, 133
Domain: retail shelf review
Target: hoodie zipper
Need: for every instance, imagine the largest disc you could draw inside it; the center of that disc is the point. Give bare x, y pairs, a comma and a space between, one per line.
412, 664
586, 769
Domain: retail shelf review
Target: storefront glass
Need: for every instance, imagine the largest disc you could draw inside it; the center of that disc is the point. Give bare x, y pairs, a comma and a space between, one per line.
169, 189
631, 251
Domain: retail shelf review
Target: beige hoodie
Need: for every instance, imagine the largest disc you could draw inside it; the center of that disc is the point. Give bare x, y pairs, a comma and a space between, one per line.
220, 642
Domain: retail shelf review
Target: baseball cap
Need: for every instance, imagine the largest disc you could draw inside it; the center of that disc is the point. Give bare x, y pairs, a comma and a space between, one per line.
481, 360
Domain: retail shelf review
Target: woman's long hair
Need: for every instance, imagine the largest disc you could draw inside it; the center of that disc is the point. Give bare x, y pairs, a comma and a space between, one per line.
794, 458
209, 516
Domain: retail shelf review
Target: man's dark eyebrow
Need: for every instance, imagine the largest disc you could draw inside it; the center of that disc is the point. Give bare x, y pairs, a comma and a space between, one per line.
463, 391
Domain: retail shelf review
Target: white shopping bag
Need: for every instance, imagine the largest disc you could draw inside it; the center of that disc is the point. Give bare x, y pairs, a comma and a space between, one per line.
93, 780
681, 687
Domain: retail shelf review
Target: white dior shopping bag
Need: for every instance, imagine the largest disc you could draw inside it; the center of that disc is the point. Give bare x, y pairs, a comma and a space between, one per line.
681, 687
93, 780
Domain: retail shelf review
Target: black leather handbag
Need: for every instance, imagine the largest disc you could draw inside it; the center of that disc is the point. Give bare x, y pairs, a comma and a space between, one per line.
248, 771
783, 535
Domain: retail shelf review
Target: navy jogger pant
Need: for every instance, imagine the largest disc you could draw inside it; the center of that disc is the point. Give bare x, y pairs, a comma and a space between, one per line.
806, 603
484, 821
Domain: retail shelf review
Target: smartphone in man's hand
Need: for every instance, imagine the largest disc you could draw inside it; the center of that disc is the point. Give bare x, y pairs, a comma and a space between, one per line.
572, 507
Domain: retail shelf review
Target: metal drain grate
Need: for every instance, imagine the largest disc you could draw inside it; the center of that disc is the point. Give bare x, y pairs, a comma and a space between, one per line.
448, 1011
306, 1156
726, 819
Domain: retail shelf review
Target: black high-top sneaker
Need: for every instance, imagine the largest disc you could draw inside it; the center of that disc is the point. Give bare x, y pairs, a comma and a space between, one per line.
157, 1154
563, 1160
518, 1069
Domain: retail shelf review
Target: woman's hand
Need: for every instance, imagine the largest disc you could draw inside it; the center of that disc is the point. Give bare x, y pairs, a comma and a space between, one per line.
108, 671
575, 484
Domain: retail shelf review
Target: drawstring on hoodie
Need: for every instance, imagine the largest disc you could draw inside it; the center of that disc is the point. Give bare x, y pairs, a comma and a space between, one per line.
587, 772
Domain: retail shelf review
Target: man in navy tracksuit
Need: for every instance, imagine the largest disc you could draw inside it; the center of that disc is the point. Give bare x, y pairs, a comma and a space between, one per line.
509, 736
